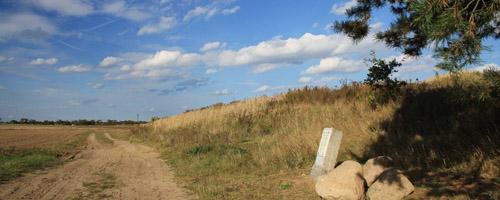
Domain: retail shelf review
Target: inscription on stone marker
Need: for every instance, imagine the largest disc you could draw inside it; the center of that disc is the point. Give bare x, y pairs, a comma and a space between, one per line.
328, 150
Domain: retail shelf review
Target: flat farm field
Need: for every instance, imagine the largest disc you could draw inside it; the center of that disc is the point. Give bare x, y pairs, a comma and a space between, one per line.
31, 136
43, 136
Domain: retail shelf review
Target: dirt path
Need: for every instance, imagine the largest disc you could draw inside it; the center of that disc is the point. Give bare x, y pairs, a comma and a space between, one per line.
120, 170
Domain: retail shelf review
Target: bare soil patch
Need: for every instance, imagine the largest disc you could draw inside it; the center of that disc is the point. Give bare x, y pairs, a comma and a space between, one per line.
26, 136
119, 170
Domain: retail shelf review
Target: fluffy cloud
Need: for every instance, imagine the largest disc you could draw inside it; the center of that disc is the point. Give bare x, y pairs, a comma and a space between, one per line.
211, 71
85, 102
200, 11
305, 79
97, 85
230, 11
109, 61
73, 68
120, 8
66, 7
166, 58
294, 50
164, 24
6, 59
266, 55
317, 81
265, 67
210, 46
223, 92
335, 64
413, 64
44, 61
267, 88
339, 9
25, 25
186, 84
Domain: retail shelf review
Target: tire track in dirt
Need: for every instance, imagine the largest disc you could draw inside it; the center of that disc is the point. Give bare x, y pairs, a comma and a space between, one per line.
138, 173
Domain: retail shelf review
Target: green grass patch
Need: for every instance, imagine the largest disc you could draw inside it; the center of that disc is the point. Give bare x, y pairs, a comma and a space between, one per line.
15, 162
97, 189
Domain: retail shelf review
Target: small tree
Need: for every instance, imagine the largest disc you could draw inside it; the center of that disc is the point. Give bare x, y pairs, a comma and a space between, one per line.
379, 77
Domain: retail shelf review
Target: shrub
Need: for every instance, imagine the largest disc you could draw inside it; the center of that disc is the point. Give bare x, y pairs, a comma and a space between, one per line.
379, 78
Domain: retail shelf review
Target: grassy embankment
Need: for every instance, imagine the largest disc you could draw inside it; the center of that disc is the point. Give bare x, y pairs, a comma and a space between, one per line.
14, 162
443, 133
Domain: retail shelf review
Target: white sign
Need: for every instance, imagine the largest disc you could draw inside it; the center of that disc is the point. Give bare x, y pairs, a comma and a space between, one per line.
327, 152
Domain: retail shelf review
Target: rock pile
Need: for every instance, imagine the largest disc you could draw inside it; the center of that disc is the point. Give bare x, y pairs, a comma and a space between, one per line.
347, 181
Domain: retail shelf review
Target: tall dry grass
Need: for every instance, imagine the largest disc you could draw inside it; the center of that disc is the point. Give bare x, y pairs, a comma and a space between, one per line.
448, 125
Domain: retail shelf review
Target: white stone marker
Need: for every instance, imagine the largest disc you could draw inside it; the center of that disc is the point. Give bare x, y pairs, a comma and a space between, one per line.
327, 152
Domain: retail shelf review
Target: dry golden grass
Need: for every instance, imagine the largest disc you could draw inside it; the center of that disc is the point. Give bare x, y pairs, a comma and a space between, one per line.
448, 126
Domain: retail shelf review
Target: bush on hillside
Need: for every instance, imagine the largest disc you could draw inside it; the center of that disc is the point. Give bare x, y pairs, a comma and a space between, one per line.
379, 77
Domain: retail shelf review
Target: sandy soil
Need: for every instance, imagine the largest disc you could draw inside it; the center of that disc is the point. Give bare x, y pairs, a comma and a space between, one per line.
132, 171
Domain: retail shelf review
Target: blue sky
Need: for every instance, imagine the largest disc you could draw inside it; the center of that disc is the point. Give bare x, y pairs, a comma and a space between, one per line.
113, 59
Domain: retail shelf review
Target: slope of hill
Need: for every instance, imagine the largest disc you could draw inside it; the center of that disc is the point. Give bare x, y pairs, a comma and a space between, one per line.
443, 133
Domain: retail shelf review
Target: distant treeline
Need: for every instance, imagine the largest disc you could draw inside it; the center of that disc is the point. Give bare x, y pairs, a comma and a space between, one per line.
75, 122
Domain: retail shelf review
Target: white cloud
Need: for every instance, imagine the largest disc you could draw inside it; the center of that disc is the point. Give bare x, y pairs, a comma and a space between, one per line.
319, 81
266, 55
266, 67
223, 92
485, 67
25, 25
210, 46
164, 24
305, 79
200, 11
120, 8
109, 61
230, 11
125, 68
66, 7
2, 87
167, 58
6, 59
44, 61
325, 80
335, 64
315, 25
267, 88
411, 64
73, 68
339, 9
293, 50
97, 85
376, 26
211, 71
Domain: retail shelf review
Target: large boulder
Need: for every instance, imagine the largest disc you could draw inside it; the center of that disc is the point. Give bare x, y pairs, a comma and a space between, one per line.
374, 167
390, 185
345, 182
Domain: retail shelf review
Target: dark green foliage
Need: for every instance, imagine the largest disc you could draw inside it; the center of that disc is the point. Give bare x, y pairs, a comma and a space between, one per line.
455, 28
379, 78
